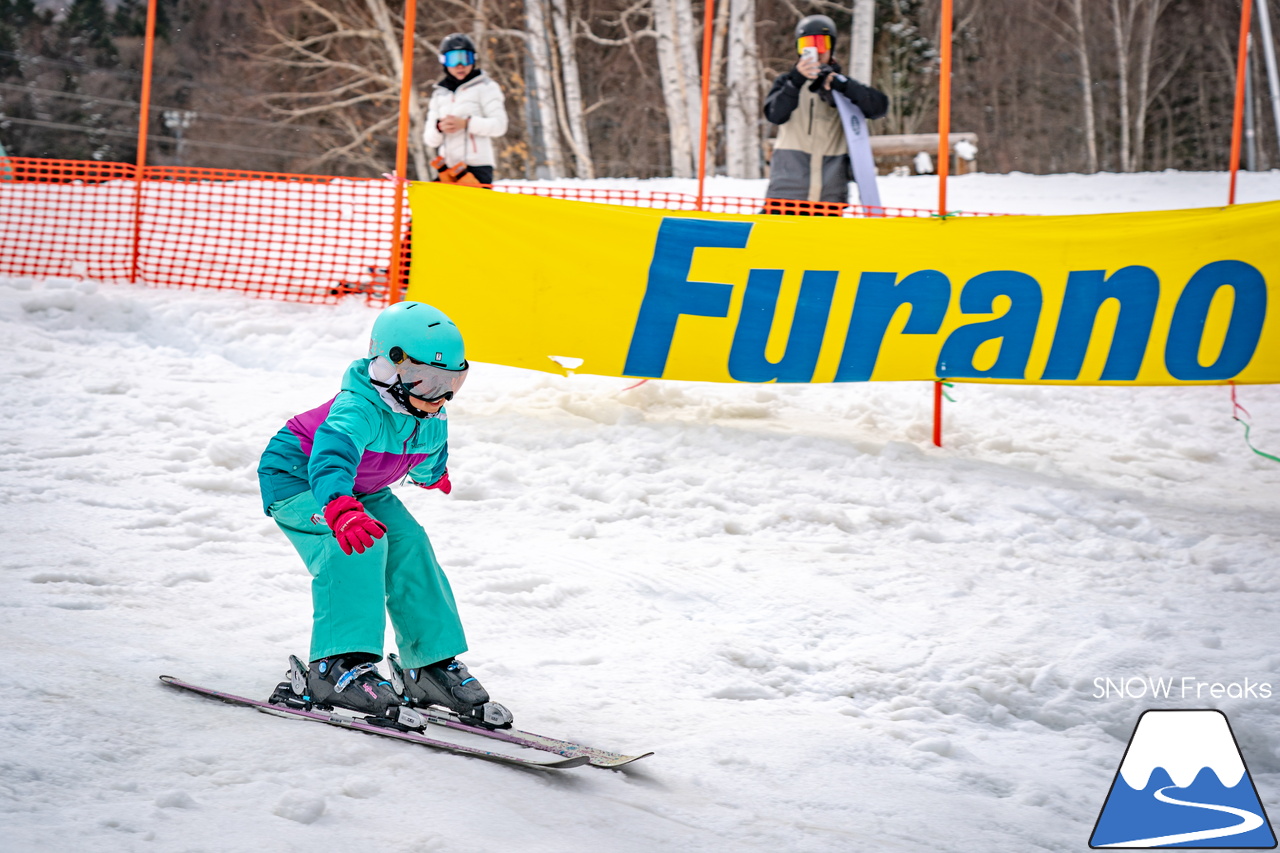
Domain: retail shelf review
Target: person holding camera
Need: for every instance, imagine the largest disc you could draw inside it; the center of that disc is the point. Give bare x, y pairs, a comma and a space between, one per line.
465, 113
810, 159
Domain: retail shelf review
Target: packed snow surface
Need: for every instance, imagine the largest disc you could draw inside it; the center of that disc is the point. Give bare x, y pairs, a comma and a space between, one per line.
834, 635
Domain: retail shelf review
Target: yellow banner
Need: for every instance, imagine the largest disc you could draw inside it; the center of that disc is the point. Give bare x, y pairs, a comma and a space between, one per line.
1165, 298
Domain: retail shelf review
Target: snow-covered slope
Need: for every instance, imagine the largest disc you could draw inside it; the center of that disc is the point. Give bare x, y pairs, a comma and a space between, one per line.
834, 636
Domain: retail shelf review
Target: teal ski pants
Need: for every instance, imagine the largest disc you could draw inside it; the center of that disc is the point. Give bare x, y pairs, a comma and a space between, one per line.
352, 594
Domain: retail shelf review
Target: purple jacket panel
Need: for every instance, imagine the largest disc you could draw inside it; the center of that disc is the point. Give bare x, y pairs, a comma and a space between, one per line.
376, 470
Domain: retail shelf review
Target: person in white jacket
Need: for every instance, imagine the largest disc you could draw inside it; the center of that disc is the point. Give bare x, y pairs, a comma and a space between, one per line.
466, 111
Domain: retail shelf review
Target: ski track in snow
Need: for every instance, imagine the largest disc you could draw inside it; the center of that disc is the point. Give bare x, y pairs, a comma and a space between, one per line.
834, 636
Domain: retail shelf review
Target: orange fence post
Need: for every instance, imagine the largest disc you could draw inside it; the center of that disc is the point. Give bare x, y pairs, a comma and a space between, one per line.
1242, 69
937, 413
944, 107
944, 167
395, 269
708, 24
143, 119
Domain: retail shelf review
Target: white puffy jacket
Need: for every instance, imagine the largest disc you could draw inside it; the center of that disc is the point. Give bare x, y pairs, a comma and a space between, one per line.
480, 100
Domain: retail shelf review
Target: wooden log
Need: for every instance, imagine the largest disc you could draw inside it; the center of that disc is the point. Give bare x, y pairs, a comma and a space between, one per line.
898, 149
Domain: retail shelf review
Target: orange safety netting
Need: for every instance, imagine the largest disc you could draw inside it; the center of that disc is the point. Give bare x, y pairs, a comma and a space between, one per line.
296, 237
306, 238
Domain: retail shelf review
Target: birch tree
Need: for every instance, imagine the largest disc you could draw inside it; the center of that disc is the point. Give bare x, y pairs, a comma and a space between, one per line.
862, 40
742, 109
1071, 30
1081, 43
675, 88
392, 38
1122, 14
569, 102
1146, 89
1133, 28
716, 102
542, 90
690, 53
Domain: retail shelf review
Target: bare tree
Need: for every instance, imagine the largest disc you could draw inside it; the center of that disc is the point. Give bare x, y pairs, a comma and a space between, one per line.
1123, 13
542, 90
1070, 29
742, 110
716, 104
1146, 90
690, 61
862, 39
1081, 44
569, 100
344, 60
1133, 27
623, 59
676, 92
1052, 85
391, 34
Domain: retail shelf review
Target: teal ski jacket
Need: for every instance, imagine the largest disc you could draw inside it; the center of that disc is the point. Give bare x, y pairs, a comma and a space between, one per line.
355, 444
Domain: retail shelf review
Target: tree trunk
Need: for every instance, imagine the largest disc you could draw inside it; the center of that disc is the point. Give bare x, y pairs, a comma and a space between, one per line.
574, 125
1122, 30
1155, 8
742, 104
862, 40
715, 103
690, 61
392, 44
1086, 85
547, 154
673, 88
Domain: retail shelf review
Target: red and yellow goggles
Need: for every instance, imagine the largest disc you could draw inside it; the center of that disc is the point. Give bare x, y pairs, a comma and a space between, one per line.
822, 43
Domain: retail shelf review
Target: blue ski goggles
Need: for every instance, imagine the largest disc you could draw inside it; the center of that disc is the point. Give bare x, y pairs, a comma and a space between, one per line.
454, 58
429, 382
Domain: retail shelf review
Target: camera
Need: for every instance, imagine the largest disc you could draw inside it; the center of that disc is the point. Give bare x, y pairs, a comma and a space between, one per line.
458, 173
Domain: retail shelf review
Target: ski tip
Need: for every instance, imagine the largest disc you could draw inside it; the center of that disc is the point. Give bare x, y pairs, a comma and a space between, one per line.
575, 761
621, 761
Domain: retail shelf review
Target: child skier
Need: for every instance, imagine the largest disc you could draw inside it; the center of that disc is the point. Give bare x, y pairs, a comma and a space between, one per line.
326, 478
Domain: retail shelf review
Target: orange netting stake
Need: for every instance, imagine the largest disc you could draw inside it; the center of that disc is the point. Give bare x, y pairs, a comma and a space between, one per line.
1238, 116
708, 25
144, 114
944, 108
396, 269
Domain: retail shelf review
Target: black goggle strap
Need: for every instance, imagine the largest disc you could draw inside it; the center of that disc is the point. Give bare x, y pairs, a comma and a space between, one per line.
400, 393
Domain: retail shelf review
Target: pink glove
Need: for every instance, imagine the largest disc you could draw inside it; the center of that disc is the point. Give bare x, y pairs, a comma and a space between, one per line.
354, 529
442, 484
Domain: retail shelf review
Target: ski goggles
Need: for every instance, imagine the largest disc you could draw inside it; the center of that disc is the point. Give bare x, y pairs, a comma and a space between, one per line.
822, 43
428, 382
454, 58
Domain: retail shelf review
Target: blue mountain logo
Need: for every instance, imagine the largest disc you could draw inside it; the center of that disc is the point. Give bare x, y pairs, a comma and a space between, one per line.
1183, 783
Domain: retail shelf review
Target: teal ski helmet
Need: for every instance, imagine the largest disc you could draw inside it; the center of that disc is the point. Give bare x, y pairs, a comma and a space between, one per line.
426, 348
